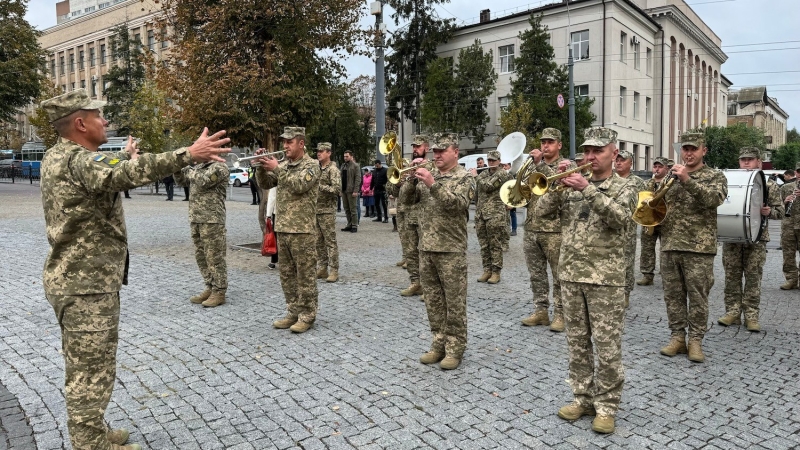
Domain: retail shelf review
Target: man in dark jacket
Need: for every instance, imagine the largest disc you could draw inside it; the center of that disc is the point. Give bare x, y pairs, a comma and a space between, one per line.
379, 180
351, 186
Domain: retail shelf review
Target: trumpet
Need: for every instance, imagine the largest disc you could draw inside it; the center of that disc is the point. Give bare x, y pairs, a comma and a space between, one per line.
539, 184
396, 175
238, 161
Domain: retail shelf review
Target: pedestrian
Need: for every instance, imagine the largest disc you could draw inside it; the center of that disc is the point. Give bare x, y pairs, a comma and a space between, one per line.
491, 217
87, 262
512, 212
186, 191
272, 198
330, 185
351, 186
251, 180
379, 182
127, 194
169, 186
367, 194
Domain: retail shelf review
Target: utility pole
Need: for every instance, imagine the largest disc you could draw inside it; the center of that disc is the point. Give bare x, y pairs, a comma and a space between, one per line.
376, 8
571, 102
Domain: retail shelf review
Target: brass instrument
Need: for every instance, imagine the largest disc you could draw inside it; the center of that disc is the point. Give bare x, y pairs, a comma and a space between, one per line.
539, 183
516, 193
651, 208
237, 162
396, 175
388, 147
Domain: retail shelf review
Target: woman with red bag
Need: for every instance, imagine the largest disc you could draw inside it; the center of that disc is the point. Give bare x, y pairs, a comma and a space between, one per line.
368, 194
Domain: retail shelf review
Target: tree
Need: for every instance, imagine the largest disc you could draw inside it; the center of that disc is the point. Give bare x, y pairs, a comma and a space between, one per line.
516, 118
455, 98
362, 92
21, 59
792, 136
44, 129
538, 82
10, 137
124, 78
150, 120
413, 49
251, 67
786, 156
724, 143
344, 128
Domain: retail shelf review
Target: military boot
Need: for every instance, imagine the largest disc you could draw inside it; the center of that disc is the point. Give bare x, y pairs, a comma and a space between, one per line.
450, 363
201, 297
752, 325
558, 322
300, 327
126, 447
400, 263
603, 424
487, 273
118, 436
627, 300
333, 277
538, 318
789, 285
414, 289
676, 345
575, 411
284, 323
730, 319
696, 351
216, 299
431, 357
405, 265
322, 273
646, 280
495, 278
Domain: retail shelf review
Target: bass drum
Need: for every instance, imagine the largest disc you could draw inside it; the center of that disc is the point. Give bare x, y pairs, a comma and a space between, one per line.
739, 218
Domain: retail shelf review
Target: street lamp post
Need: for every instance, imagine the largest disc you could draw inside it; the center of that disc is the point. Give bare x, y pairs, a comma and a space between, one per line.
376, 8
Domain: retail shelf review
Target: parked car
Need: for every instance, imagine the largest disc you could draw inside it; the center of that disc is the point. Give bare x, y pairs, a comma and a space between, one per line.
238, 177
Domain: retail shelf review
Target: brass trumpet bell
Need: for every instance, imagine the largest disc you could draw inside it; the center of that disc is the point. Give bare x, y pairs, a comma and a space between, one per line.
515, 195
649, 213
388, 143
539, 184
396, 175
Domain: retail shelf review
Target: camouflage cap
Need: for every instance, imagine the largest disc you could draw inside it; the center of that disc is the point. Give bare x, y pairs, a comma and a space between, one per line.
551, 133
693, 138
326, 146
66, 104
624, 154
420, 139
579, 156
661, 160
750, 152
292, 132
493, 155
599, 136
444, 140
670, 162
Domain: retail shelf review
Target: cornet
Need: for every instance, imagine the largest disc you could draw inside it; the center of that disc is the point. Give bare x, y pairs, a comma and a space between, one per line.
540, 184
238, 161
396, 175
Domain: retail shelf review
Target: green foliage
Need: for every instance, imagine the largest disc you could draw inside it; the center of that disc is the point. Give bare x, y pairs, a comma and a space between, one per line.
44, 129
792, 136
455, 98
124, 79
516, 118
538, 82
724, 143
21, 59
786, 156
150, 120
343, 127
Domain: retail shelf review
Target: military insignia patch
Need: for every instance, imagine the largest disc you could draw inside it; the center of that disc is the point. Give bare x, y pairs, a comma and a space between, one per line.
309, 175
471, 192
113, 162
213, 177
99, 158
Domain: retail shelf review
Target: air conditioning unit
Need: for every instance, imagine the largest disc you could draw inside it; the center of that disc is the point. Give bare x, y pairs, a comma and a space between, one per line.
634, 40
94, 78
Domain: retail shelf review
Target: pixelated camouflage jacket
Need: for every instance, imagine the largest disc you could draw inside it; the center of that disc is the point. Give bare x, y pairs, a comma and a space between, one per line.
792, 222
444, 209
594, 236
691, 221
296, 197
207, 184
487, 188
330, 186
407, 190
550, 223
83, 214
775, 204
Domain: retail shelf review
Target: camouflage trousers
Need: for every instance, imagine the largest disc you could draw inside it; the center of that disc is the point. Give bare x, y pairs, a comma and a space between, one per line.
630, 257
594, 316
89, 335
647, 256
687, 275
540, 250
492, 236
209, 252
790, 243
409, 237
299, 274
444, 284
327, 248
743, 260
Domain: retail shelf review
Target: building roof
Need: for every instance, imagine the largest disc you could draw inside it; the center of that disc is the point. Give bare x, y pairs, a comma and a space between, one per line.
755, 94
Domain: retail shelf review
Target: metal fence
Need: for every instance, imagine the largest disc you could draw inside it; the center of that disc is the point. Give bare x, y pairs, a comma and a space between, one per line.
19, 174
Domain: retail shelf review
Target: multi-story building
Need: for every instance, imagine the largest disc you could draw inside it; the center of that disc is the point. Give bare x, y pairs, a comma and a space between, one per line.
652, 66
752, 106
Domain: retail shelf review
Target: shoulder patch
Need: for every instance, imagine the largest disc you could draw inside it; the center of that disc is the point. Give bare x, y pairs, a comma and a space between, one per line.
309, 174
113, 162
99, 158
213, 177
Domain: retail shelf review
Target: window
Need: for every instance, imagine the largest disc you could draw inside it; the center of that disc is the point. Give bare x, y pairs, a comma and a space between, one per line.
621, 146
151, 40
623, 39
648, 61
53, 67
61, 63
506, 53
102, 54
580, 45
103, 5
164, 41
635, 156
63, 88
81, 55
137, 40
75, 13
647, 157
72, 62
91, 56
94, 87
89, 9
72, 86
622, 93
503, 102
636, 64
635, 105
582, 90
648, 111
83, 84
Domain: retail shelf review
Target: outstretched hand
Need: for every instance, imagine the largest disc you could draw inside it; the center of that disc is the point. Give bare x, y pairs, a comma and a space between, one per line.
132, 147
208, 148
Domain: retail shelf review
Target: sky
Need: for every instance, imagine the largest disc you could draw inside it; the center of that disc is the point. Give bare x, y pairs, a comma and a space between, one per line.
741, 24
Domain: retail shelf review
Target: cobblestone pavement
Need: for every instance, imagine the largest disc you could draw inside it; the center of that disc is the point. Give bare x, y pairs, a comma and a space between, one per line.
194, 378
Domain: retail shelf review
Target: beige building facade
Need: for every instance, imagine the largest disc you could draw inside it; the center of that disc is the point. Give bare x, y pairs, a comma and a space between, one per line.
753, 107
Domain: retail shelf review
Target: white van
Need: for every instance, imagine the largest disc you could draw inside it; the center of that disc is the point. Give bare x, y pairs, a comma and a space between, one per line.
471, 161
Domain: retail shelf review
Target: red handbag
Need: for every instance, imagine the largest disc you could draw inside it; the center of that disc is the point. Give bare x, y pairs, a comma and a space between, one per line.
270, 244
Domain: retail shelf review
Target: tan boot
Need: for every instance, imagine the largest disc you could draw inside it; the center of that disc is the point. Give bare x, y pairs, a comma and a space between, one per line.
284, 323
575, 411
676, 345
300, 327
696, 351
201, 297
450, 363
646, 280
414, 289
431, 357
558, 323
216, 299
401, 263
118, 436
789, 285
538, 318
730, 319
322, 273
752, 325
627, 300
126, 447
405, 265
603, 424
485, 277
333, 277
494, 279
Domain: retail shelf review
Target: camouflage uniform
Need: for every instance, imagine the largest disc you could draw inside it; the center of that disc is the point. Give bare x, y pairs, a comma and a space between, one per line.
747, 260
790, 235
88, 261
295, 227
491, 216
688, 247
592, 270
630, 247
207, 185
647, 258
330, 185
443, 245
393, 190
409, 232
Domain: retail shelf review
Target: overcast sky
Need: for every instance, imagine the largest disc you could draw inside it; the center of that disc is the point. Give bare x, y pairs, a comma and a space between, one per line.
739, 23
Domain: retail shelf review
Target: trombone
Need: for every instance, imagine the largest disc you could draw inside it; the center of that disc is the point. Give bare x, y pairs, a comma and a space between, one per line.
539, 183
238, 161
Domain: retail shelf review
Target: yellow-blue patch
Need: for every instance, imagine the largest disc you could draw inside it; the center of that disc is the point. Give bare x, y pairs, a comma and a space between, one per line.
113, 162
99, 158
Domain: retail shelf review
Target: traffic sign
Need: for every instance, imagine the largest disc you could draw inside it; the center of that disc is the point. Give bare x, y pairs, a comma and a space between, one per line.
560, 100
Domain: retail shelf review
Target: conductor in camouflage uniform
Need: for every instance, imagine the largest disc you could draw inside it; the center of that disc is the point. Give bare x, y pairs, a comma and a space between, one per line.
593, 264
297, 178
623, 165
444, 194
747, 260
790, 233
650, 235
207, 184
688, 246
410, 234
330, 185
542, 241
491, 217
88, 259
